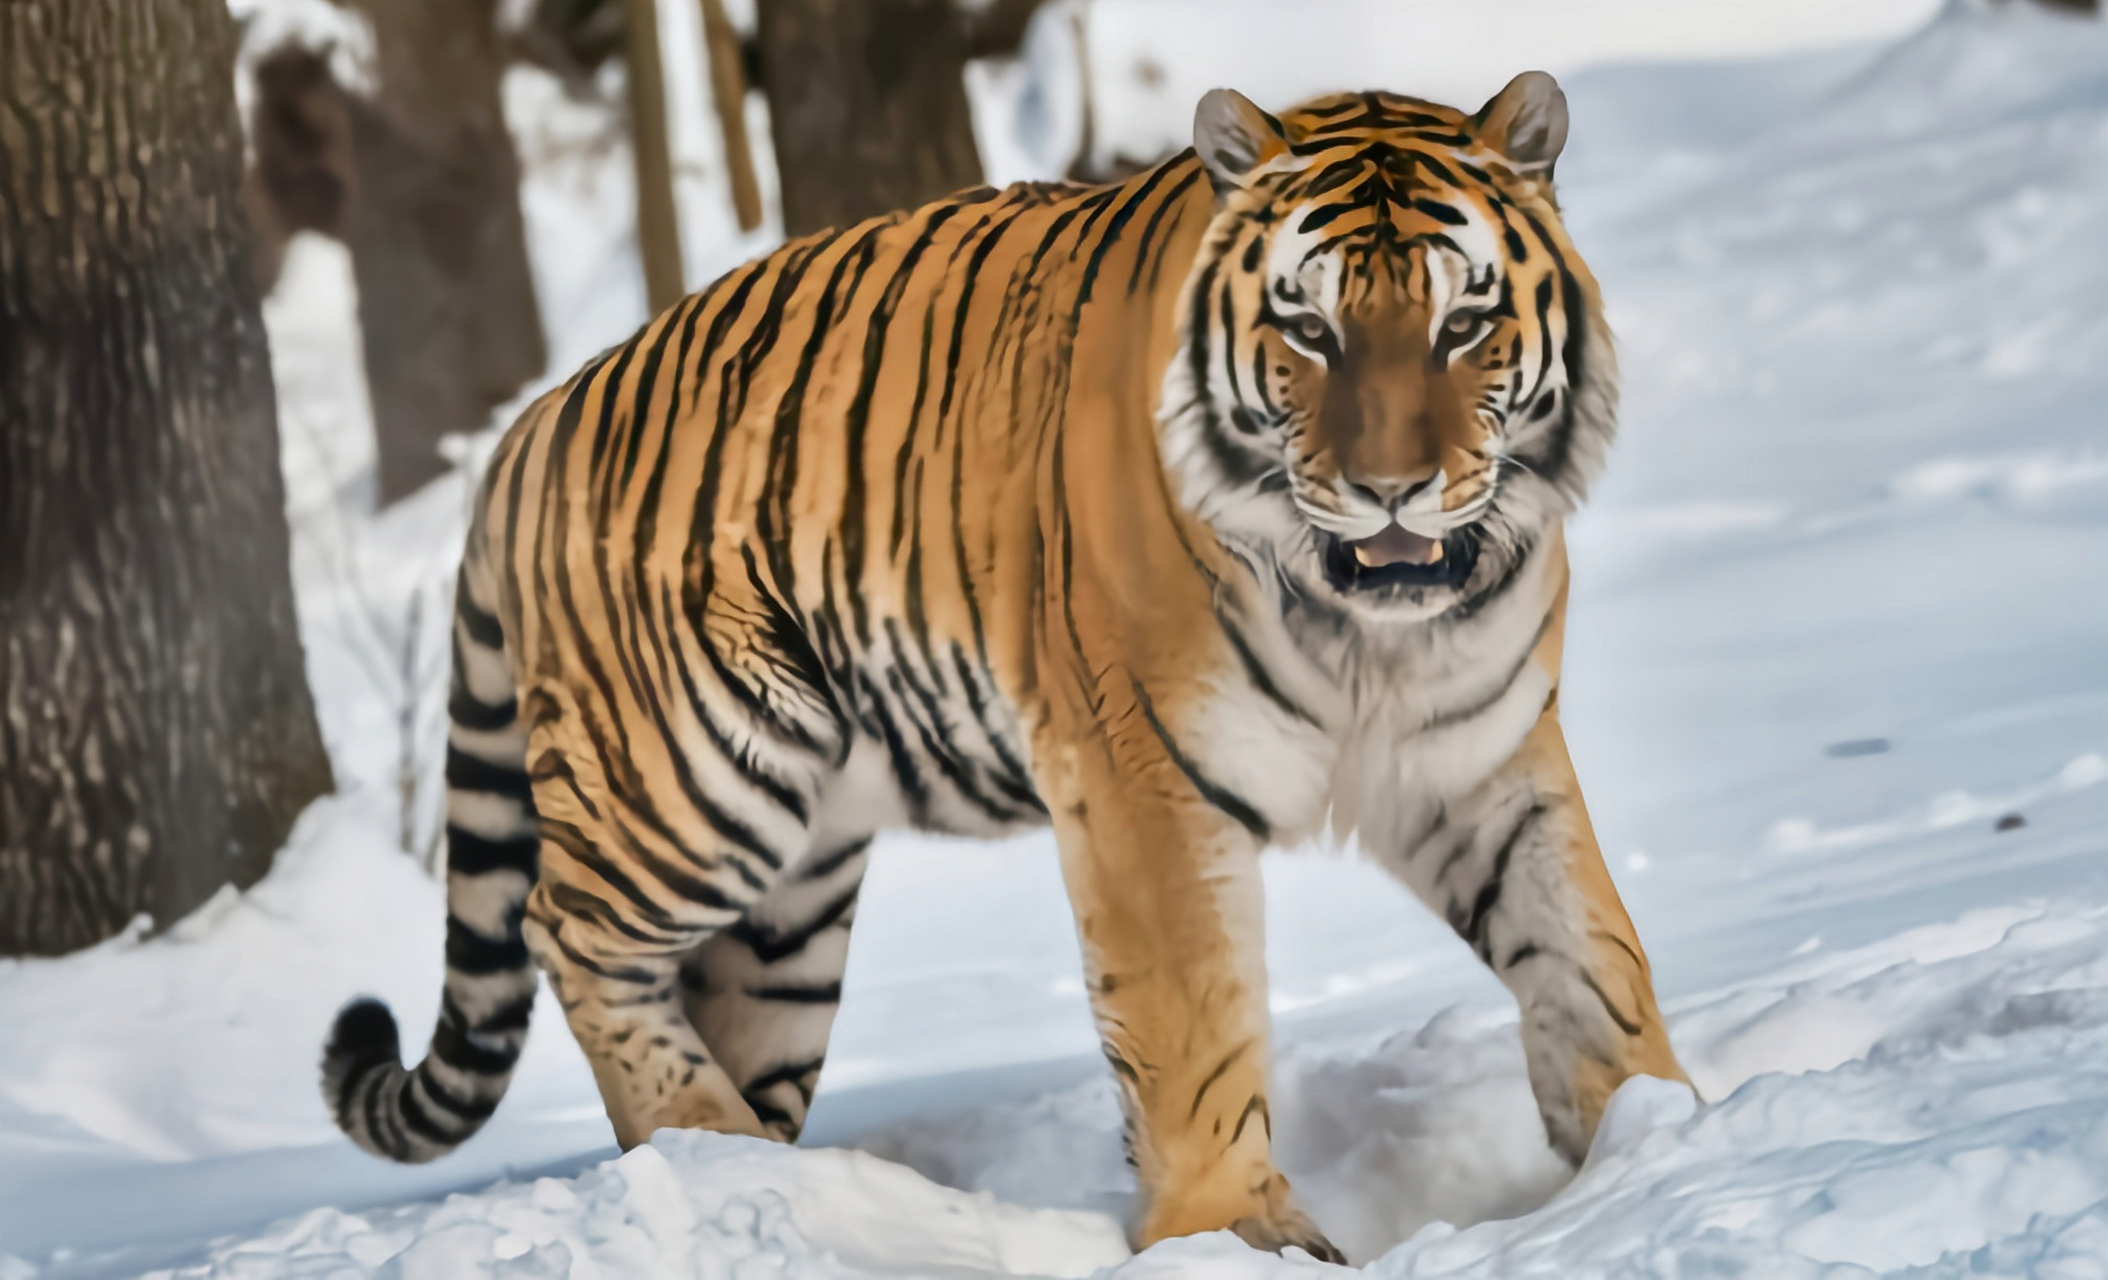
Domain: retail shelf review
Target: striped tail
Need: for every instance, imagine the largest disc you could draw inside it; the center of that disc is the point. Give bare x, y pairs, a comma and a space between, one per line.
492, 854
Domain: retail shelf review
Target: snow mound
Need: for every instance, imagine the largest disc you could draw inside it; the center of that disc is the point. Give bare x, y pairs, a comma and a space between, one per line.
1961, 1128
690, 1204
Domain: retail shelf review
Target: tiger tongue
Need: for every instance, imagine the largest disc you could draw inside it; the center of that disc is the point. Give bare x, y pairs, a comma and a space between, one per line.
1396, 545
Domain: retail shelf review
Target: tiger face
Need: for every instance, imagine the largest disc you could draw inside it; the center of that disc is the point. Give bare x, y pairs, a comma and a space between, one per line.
1385, 337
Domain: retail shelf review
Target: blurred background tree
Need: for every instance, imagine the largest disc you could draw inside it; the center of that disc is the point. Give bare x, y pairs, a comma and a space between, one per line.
867, 106
867, 100
420, 181
157, 737
419, 177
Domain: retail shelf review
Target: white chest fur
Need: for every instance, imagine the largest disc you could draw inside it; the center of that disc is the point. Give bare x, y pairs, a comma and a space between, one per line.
1414, 720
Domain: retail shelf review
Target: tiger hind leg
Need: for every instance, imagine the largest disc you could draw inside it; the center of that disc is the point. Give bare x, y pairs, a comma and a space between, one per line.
617, 909
624, 1009
763, 992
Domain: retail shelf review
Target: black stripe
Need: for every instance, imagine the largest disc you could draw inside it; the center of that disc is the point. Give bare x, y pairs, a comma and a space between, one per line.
1500, 689
771, 945
1518, 250
586, 906
790, 1073
959, 313
856, 422
699, 567
629, 975
649, 634
470, 952
909, 438
912, 787
454, 1043
469, 854
413, 1115
934, 730
1466, 609
1200, 1094
468, 1113
574, 843
1213, 793
1442, 213
1321, 143
465, 772
464, 710
827, 864
391, 1078
647, 382
770, 1114
826, 993
1121, 1066
1473, 928
1016, 779
1524, 952
772, 519
1544, 329
1199, 345
955, 771
482, 627
1325, 215
1149, 228
1111, 235
1626, 1025
1256, 671
742, 760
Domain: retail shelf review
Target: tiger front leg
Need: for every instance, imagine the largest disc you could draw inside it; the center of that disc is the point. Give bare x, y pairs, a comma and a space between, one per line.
1515, 870
1169, 910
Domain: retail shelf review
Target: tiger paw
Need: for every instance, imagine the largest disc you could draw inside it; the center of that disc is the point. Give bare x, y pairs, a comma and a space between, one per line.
1264, 1217
1284, 1225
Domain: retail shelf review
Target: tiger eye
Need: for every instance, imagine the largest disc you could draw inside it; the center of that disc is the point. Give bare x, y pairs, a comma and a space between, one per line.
1311, 329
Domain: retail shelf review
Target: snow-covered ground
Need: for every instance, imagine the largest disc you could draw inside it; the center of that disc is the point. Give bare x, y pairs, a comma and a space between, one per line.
1838, 688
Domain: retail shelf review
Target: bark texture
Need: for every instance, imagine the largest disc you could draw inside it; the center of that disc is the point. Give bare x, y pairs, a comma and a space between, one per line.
867, 105
157, 739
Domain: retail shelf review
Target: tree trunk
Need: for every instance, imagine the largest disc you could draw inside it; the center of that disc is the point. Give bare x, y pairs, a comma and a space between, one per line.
728, 92
422, 185
658, 223
156, 734
438, 248
867, 105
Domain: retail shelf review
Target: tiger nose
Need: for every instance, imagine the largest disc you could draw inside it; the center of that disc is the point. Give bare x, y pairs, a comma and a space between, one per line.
1392, 492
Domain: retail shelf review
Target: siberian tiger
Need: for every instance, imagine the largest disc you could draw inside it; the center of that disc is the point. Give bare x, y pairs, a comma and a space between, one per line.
1190, 514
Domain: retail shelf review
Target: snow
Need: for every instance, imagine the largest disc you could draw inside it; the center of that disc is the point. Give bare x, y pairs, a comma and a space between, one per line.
1835, 685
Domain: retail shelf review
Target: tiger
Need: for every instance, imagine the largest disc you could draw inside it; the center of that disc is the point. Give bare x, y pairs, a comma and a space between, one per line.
1204, 511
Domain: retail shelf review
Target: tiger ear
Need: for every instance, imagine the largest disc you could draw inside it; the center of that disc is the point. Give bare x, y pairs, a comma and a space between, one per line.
1233, 137
1526, 122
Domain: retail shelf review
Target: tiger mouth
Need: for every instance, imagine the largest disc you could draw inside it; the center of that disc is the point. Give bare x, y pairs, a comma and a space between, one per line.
1397, 558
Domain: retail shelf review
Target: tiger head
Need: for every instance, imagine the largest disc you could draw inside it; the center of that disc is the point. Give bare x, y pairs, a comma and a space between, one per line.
1394, 371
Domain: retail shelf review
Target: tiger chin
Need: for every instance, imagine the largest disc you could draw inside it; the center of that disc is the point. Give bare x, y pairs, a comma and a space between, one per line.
1190, 514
